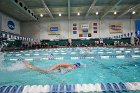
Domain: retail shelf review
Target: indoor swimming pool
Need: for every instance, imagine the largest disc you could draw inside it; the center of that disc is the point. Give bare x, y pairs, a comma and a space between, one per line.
98, 66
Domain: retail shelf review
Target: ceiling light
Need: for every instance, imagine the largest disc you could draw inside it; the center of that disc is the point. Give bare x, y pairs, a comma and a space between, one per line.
41, 15
115, 13
59, 14
133, 12
97, 13
78, 13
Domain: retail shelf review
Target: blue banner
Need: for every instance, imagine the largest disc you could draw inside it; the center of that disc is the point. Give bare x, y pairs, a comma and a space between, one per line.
11, 25
137, 27
85, 30
53, 28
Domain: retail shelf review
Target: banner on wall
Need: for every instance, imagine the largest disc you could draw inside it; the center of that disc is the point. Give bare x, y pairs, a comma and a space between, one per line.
94, 26
54, 29
74, 28
80, 35
84, 29
137, 27
11, 24
74, 24
115, 27
74, 32
84, 26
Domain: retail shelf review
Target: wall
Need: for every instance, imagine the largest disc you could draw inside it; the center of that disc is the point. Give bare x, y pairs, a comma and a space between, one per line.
0, 20
103, 27
128, 26
38, 30
4, 26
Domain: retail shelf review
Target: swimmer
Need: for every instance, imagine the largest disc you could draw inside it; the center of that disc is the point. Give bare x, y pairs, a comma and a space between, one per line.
62, 67
51, 56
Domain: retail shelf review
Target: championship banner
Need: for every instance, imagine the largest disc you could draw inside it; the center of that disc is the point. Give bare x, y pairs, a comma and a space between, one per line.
115, 27
54, 29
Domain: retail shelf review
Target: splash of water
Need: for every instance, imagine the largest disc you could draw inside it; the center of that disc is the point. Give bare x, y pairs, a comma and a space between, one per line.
16, 66
3, 44
1, 59
1, 47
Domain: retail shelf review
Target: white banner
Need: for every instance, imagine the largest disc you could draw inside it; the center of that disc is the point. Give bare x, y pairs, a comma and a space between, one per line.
84, 26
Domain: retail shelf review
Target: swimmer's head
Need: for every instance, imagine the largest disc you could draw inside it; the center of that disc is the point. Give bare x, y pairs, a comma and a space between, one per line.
77, 64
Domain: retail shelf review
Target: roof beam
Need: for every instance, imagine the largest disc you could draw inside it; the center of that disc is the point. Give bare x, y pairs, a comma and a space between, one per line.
20, 11
69, 9
47, 9
111, 9
91, 7
129, 10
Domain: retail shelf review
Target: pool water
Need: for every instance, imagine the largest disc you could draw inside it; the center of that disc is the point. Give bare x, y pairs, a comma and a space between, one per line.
93, 70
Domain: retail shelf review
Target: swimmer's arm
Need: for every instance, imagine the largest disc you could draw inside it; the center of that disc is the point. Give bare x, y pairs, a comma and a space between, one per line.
57, 66
30, 66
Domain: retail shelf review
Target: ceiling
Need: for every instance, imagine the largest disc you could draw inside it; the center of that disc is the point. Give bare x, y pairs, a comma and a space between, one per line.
30, 10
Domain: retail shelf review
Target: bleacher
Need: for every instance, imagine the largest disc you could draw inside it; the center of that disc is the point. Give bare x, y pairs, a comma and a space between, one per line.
20, 43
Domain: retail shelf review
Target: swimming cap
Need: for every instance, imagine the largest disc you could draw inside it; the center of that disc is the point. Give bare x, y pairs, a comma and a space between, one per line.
77, 64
